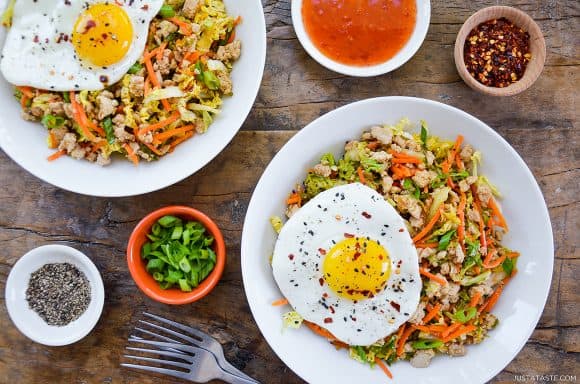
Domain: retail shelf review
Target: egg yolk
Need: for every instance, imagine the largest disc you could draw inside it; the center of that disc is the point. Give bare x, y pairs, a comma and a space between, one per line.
357, 268
102, 34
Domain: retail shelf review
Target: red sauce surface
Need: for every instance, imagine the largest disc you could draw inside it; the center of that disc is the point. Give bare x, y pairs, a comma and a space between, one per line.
359, 32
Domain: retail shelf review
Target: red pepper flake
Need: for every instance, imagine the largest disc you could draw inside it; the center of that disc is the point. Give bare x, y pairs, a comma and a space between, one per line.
366, 215
328, 320
321, 281
291, 256
90, 24
497, 52
325, 295
348, 235
322, 251
331, 309
356, 255
397, 306
401, 230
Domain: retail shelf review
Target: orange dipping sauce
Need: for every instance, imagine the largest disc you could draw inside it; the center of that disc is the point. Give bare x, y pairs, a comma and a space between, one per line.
359, 32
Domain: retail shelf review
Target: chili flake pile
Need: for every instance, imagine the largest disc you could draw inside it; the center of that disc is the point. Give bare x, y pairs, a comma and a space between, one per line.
59, 293
497, 52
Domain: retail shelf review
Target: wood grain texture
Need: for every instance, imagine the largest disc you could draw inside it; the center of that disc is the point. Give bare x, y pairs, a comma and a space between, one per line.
296, 90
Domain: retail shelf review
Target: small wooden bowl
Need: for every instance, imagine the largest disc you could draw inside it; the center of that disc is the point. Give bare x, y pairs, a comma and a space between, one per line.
537, 49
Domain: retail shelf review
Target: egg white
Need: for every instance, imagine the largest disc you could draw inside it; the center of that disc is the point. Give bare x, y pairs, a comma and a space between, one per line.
297, 264
52, 65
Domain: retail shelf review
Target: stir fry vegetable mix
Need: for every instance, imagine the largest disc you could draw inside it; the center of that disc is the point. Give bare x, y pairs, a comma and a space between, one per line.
451, 212
173, 92
179, 253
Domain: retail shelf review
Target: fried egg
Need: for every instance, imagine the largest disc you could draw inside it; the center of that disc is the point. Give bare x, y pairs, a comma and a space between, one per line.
67, 45
346, 262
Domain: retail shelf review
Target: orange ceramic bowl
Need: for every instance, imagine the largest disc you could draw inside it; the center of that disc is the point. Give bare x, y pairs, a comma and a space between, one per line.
146, 282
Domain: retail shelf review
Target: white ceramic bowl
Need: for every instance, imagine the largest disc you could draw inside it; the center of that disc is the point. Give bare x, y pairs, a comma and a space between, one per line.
519, 307
29, 322
404, 55
25, 142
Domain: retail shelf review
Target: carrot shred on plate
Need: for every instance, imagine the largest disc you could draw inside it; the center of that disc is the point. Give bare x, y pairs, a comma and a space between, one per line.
462, 330
384, 367
294, 198
131, 154
433, 277
56, 155
432, 313
160, 124
361, 175
279, 302
429, 226
320, 331
403, 340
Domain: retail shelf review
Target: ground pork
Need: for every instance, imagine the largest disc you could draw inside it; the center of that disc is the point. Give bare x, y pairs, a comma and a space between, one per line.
382, 134
225, 82
106, 104
56, 108
425, 253
422, 358
473, 215
484, 193
456, 349
164, 29
466, 153
165, 64
322, 170
408, 204
430, 157
387, 183
424, 178
136, 85
102, 160
380, 156
190, 7
465, 183
229, 51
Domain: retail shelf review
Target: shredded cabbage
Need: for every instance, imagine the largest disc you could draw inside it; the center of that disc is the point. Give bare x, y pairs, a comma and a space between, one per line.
7, 15
292, 319
276, 222
163, 93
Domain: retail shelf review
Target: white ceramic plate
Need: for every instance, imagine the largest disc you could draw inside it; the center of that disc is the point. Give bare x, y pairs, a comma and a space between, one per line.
521, 304
28, 321
25, 142
404, 55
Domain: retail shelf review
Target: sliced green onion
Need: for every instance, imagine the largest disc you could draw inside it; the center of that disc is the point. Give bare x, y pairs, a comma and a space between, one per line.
426, 344
211, 80
166, 11
463, 315
108, 127
424, 133
135, 68
445, 239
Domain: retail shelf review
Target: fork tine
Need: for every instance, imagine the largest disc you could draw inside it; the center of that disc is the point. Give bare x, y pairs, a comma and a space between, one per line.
164, 345
164, 371
164, 338
163, 353
197, 333
171, 332
159, 361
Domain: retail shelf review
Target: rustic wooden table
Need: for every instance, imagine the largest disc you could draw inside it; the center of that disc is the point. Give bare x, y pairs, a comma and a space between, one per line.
541, 124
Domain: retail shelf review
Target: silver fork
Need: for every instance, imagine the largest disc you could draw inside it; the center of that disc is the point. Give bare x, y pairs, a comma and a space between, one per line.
196, 365
196, 338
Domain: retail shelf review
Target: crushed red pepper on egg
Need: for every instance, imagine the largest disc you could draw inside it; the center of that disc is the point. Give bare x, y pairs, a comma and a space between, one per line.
497, 52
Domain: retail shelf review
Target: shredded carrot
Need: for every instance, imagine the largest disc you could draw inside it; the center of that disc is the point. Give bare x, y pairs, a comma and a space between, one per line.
294, 198
487, 263
150, 70
232, 37
432, 313
401, 330
131, 154
461, 214
452, 328
433, 277
280, 302
153, 149
426, 245
24, 101
428, 227
497, 213
146, 87
98, 145
475, 299
459, 163
184, 27
320, 331
361, 175
483, 240
403, 340
56, 155
383, 366
180, 140
401, 172
238, 20
339, 344
160, 49
438, 328
52, 140
160, 137
26, 91
192, 56
459, 332
160, 124
78, 117
511, 255
406, 160
450, 182
446, 165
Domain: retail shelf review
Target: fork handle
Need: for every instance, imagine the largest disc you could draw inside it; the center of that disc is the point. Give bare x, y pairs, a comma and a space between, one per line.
232, 379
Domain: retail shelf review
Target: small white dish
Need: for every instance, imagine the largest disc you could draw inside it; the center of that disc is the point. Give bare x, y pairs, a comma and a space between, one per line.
29, 322
404, 55
521, 304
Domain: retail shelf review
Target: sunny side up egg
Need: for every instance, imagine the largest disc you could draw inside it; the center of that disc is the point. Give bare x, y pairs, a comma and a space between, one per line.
67, 45
346, 262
